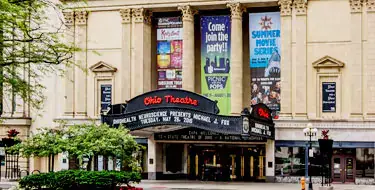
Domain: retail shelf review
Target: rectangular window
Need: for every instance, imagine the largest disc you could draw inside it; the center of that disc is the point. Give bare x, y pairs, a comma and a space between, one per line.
105, 97
290, 161
265, 43
169, 52
365, 162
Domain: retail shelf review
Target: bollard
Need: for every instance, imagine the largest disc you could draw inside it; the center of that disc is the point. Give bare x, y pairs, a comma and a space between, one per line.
303, 183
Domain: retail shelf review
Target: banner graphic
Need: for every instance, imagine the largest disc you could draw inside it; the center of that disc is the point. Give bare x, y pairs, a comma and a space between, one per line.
265, 59
169, 52
215, 60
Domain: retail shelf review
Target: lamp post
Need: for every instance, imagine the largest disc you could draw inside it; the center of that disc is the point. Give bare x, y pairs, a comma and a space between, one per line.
310, 132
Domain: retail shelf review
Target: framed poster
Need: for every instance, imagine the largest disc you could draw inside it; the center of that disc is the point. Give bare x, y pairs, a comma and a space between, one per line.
106, 97
329, 97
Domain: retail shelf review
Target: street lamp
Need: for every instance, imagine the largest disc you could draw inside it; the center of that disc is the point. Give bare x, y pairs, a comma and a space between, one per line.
309, 131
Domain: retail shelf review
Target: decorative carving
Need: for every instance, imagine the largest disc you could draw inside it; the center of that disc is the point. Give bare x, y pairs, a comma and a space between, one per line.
126, 15
102, 67
141, 15
187, 12
370, 4
300, 6
236, 9
81, 17
328, 62
355, 6
69, 18
285, 7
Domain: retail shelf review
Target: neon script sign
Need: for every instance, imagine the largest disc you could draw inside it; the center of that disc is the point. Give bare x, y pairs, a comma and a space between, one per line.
151, 100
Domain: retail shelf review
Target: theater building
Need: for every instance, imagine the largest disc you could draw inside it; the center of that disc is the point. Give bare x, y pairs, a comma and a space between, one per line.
308, 61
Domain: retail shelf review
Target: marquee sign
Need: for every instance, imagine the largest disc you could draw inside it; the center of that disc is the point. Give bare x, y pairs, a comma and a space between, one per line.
183, 108
166, 98
193, 134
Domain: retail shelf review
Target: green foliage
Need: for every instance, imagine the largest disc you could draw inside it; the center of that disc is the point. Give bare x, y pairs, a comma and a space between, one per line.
78, 179
86, 140
31, 41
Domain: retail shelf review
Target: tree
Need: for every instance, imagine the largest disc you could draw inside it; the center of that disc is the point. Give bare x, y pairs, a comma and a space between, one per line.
86, 140
31, 46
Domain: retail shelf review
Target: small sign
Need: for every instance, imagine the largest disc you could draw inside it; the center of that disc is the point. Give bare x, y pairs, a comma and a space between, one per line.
329, 96
311, 153
106, 97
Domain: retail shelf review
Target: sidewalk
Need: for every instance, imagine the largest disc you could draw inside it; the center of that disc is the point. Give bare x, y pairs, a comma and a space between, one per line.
190, 185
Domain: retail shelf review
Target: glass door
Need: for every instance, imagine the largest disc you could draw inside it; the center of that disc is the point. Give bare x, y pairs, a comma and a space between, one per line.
349, 169
343, 169
337, 174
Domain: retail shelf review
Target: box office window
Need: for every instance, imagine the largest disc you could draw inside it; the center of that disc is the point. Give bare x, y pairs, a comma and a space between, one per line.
365, 162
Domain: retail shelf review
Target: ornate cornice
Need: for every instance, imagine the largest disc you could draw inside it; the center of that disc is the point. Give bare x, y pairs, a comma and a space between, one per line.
141, 15
370, 4
300, 6
126, 15
356, 6
285, 7
81, 17
69, 18
187, 12
236, 10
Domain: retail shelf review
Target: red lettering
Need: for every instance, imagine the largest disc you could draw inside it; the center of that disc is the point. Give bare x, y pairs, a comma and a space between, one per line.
178, 100
152, 100
263, 113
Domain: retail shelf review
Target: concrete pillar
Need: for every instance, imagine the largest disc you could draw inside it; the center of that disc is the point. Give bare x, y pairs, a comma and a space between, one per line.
354, 69
286, 57
369, 59
300, 66
236, 55
141, 55
188, 47
125, 66
69, 75
154, 158
80, 78
270, 157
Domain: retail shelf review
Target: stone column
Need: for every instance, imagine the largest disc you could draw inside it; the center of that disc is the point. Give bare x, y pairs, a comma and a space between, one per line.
80, 78
141, 55
125, 66
369, 59
270, 157
69, 76
286, 57
154, 158
302, 70
353, 71
188, 57
236, 55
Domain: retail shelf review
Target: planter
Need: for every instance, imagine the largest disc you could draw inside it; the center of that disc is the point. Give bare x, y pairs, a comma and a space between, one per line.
325, 146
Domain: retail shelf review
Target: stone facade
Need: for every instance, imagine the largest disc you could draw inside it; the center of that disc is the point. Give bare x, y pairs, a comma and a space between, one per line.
321, 41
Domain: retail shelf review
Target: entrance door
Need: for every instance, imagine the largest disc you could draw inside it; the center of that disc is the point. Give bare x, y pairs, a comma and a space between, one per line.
343, 168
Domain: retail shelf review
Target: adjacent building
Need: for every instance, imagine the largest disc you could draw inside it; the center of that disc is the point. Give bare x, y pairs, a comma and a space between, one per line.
309, 61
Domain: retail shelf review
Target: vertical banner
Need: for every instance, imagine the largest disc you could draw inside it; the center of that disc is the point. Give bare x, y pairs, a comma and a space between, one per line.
169, 52
215, 60
265, 59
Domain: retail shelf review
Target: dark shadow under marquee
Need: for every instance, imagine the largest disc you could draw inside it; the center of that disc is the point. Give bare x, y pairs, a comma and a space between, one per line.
184, 108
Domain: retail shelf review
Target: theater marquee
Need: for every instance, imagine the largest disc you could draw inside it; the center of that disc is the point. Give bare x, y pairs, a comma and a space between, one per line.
184, 108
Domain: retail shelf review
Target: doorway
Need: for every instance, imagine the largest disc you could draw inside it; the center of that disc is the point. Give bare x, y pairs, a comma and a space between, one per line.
343, 168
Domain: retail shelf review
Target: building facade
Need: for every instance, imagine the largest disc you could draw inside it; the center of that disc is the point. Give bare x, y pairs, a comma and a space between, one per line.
309, 61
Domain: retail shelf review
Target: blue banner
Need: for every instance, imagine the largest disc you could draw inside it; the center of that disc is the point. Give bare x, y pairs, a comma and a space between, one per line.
215, 60
265, 59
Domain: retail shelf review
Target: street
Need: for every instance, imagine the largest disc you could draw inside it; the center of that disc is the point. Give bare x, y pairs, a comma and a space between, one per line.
198, 185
